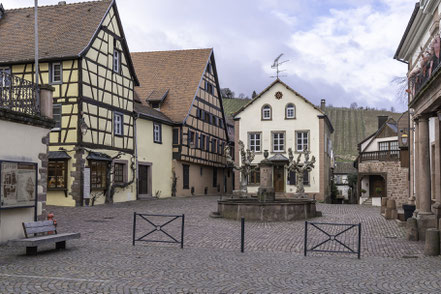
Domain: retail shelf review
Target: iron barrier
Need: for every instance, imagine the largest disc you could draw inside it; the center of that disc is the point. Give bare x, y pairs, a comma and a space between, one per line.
340, 239
158, 228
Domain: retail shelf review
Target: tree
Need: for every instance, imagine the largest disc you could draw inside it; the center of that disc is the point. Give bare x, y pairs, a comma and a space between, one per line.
254, 94
227, 93
241, 95
354, 105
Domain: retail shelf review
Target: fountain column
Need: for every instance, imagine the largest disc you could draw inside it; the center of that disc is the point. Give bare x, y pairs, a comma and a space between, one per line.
266, 190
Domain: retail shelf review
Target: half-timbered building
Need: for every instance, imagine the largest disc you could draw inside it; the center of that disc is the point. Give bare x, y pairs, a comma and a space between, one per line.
85, 57
183, 84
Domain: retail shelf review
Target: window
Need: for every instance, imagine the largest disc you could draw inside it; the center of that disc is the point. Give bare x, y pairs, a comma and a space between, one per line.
157, 133
209, 87
209, 68
216, 121
254, 177
293, 181
175, 136
254, 143
56, 73
213, 145
208, 144
290, 111
278, 142
211, 119
202, 115
98, 174
118, 124
57, 116
221, 123
266, 112
198, 113
56, 174
390, 145
117, 61
5, 76
118, 172
214, 176
190, 138
186, 176
155, 105
301, 141
202, 144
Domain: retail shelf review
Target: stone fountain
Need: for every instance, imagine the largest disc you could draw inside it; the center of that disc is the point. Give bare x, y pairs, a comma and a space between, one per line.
266, 207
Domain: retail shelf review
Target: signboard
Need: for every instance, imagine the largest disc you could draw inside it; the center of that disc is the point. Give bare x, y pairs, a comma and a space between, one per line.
86, 183
18, 184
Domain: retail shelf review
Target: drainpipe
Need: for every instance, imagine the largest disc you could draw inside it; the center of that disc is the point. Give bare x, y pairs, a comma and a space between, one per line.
136, 154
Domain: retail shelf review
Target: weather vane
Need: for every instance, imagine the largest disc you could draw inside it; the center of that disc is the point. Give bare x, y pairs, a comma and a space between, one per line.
276, 65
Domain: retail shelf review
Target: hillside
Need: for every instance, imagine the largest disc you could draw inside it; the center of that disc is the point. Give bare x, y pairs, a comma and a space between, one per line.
352, 126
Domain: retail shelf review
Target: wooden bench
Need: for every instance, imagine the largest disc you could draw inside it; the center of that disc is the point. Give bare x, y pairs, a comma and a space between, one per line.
42, 232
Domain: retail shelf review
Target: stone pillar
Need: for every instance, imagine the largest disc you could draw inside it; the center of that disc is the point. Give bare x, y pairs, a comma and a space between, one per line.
416, 165
436, 186
424, 167
46, 100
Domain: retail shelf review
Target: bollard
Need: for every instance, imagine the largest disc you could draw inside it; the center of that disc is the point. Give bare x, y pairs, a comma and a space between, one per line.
431, 245
242, 234
383, 204
390, 208
412, 229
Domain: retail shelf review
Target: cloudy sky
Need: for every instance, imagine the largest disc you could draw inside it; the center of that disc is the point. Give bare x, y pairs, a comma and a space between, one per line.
340, 50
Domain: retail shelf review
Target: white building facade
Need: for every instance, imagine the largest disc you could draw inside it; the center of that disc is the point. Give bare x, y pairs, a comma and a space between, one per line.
279, 118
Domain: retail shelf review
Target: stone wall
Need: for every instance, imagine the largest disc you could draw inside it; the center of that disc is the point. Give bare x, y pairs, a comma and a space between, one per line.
397, 185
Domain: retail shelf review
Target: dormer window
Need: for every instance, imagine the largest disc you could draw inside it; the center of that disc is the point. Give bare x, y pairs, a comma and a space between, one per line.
117, 61
56, 73
155, 105
266, 112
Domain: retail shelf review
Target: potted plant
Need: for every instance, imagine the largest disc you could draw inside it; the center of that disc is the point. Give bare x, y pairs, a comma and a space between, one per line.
378, 191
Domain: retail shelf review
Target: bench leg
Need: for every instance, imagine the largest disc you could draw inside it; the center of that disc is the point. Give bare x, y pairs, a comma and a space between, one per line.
60, 245
31, 250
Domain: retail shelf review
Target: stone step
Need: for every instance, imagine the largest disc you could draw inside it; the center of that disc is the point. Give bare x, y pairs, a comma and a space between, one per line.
368, 202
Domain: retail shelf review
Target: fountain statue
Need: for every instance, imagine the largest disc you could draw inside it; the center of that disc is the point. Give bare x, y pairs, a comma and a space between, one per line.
299, 168
245, 167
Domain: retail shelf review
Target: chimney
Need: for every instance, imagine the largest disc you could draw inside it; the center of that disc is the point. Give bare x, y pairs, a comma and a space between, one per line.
323, 104
382, 120
2, 11
62, 3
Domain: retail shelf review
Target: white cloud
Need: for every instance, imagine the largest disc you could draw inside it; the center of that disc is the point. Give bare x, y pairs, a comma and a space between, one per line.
353, 48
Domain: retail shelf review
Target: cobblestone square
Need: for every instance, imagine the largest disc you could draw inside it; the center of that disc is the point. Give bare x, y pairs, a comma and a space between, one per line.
104, 260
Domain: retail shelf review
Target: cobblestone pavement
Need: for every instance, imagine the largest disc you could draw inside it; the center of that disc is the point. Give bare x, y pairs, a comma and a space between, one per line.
104, 261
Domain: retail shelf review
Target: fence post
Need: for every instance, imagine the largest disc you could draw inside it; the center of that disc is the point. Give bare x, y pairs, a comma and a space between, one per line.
306, 237
134, 228
182, 231
359, 240
242, 234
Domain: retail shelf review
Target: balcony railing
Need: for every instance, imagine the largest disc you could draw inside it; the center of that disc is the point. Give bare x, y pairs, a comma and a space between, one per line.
387, 155
18, 94
428, 64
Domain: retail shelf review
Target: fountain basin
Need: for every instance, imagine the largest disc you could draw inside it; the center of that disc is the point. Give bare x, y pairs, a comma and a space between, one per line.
277, 210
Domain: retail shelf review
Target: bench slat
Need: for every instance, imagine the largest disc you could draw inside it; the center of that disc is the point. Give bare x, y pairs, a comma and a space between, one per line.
36, 241
38, 227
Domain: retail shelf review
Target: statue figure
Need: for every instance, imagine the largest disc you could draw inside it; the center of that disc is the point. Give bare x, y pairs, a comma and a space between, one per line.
300, 167
245, 168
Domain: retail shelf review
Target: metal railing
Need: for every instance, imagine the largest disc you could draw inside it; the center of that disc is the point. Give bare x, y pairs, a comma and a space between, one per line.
339, 238
18, 94
386, 155
432, 65
158, 228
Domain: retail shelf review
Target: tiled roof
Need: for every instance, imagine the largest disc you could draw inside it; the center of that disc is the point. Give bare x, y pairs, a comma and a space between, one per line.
58, 155
344, 168
64, 30
148, 112
179, 70
232, 105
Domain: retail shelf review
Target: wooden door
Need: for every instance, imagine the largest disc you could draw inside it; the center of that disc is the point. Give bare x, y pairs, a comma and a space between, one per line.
279, 178
143, 180
377, 187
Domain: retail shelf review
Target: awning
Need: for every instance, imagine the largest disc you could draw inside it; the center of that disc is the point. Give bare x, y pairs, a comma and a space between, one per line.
98, 156
278, 158
58, 155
